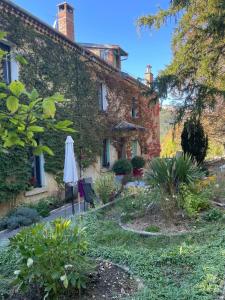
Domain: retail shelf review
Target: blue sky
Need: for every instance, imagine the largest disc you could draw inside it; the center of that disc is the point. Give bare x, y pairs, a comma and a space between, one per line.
113, 22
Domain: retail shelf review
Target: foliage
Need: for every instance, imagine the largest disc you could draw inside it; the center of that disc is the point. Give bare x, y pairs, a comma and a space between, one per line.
213, 215
168, 174
106, 187
53, 258
25, 114
163, 263
15, 172
42, 207
22, 216
193, 202
195, 76
194, 142
122, 166
138, 162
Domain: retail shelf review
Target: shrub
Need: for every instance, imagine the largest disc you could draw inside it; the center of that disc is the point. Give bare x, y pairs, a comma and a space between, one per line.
194, 142
22, 216
168, 174
193, 202
138, 162
106, 187
52, 258
213, 214
122, 166
42, 207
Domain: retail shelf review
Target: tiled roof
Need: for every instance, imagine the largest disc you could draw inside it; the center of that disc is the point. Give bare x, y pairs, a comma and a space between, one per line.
126, 126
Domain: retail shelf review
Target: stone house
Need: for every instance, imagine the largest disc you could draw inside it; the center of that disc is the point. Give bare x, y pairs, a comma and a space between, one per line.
130, 113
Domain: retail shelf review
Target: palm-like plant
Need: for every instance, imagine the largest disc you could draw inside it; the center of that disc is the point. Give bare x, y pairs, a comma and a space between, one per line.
169, 173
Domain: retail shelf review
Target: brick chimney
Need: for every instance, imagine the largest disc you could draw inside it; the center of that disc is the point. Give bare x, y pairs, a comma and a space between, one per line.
65, 20
148, 75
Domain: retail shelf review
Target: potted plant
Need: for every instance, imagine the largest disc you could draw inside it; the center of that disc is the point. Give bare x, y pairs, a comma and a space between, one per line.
121, 168
138, 163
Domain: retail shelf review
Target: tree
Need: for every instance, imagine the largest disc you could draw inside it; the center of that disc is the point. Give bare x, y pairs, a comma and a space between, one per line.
24, 115
194, 142
196, 74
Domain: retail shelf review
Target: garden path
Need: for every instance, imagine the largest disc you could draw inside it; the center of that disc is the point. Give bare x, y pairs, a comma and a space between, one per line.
64, 211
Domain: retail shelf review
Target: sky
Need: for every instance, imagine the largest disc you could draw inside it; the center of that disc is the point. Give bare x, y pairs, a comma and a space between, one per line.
113, 22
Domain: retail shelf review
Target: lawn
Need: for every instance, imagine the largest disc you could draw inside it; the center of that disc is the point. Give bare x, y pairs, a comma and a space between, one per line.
186, 267
190, 266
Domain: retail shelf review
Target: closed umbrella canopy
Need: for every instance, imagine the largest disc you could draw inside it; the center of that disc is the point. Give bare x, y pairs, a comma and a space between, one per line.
70, 167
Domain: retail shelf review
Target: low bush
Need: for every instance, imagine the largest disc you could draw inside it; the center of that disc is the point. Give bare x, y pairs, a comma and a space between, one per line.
42, 207
193, 202
138, 162
106, 187
22, 216
213, 214
53, 258
122, 167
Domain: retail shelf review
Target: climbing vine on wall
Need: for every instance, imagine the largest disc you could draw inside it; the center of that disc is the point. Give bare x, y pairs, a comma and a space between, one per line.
54, 68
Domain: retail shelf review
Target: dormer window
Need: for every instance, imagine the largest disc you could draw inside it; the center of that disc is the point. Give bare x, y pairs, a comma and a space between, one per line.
104, 54
103, 101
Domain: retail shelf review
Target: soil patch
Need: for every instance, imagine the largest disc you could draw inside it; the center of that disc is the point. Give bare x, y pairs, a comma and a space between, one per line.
107, 282
156, 223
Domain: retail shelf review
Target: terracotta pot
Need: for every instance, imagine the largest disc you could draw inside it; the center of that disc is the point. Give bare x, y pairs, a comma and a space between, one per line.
137, 172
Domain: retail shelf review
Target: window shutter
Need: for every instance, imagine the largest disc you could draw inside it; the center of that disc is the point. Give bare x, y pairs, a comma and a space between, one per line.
108, 152
14, 69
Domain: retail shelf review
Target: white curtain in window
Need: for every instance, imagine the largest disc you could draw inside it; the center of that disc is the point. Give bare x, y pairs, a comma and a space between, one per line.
104, 97
14, 69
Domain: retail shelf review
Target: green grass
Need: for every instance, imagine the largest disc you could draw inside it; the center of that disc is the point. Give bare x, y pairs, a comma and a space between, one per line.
185, 267
152, 228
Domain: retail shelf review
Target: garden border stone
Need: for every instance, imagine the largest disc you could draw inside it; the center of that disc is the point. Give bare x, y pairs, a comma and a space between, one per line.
148, 234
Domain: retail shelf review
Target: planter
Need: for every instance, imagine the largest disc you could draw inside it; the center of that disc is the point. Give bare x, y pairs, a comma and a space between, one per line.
119, 177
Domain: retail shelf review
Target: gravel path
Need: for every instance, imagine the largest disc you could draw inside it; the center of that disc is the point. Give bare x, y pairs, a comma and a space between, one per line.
64, 211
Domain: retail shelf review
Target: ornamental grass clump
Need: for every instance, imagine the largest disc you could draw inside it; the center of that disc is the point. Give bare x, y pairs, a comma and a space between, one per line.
168, 173
106, 187
52, 259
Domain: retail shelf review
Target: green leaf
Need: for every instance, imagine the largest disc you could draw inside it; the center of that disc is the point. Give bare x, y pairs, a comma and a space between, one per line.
49, 107
58, 97
17, 88
34, 95
3, 95
36, 128
12, 104
2, 35
21, 59
3, 85
40, 149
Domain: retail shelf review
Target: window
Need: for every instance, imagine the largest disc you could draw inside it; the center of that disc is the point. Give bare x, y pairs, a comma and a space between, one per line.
106, 153
134, 146
37, 179
5, 64
9, 66
134, 108
103, 102
104, 54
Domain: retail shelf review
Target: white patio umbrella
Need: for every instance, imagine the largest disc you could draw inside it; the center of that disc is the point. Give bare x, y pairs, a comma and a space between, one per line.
70, 176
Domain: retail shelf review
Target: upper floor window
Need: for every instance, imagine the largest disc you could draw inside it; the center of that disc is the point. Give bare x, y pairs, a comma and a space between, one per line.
104, 54
134, 108
9, 66
103, 102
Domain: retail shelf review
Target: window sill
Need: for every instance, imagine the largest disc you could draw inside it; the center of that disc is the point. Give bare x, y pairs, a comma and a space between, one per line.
36, 191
